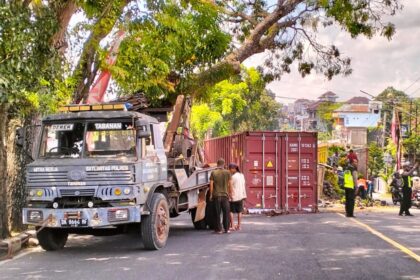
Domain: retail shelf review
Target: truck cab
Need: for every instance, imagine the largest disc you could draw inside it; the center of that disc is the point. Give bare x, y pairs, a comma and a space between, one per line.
100, 166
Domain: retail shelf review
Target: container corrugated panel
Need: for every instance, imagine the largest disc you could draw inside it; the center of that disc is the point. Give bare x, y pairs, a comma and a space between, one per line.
279, 167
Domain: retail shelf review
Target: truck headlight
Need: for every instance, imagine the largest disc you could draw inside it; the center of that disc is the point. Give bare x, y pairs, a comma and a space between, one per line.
127, 191
117, 191
35, 216
39, 193
31, 193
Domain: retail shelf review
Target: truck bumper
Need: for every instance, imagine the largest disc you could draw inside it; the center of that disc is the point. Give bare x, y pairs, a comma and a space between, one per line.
94, 217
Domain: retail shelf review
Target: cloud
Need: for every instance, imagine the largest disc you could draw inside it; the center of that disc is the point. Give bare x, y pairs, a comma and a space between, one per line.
377, 63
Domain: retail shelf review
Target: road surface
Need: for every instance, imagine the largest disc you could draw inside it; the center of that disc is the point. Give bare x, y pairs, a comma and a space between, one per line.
306, 246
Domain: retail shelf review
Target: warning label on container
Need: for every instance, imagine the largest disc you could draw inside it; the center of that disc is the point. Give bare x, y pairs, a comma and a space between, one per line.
269, 164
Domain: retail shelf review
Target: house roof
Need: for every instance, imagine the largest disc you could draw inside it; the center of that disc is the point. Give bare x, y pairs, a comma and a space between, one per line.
353, 108
358, 100
302, 100
314, 105
328, 94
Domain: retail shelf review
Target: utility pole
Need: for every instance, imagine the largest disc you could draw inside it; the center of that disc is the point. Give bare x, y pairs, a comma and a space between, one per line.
409, 122
383, 130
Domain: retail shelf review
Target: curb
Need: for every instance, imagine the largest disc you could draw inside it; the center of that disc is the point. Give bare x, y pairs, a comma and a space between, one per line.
11, 246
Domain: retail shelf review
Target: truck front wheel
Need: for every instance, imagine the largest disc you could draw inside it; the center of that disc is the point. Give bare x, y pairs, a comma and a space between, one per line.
52, 239
155, 227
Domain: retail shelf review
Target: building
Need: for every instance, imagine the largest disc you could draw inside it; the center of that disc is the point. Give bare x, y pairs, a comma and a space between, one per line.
329, 96
351, 122
315, 122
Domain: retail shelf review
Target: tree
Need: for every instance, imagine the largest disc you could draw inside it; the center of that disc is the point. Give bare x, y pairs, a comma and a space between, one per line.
375, 159
187, 46
239, 104
30, 74
325, 112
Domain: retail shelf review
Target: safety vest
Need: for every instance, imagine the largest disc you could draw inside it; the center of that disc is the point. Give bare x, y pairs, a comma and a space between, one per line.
410, 182
348, 180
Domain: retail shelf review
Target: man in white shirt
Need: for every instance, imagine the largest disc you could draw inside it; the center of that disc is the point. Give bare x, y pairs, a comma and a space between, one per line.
238, 195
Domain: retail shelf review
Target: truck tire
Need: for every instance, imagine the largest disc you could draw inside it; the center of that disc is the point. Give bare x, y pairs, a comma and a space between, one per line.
155, 226
51, 239
200, 225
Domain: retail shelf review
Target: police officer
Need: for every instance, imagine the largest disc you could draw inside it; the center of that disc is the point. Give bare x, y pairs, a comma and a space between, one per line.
349, 191
407, 189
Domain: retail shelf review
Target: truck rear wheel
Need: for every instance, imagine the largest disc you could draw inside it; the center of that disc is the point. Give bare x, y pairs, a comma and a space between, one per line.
52, 239
199, 224
155, 227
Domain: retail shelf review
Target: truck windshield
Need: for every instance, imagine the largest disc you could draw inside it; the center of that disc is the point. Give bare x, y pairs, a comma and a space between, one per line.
61, 140
110, 139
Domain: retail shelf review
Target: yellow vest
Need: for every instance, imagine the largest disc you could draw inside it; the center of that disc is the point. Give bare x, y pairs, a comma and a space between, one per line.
348, 180
410, 184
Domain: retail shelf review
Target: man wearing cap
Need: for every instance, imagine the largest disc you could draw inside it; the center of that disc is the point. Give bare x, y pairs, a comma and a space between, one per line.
407, 189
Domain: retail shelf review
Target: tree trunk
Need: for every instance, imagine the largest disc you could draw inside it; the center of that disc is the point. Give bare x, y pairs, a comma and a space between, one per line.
64, 11
4, 229
16, 161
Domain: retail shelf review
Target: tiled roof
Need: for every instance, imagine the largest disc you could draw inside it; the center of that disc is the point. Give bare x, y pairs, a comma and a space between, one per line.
355, 108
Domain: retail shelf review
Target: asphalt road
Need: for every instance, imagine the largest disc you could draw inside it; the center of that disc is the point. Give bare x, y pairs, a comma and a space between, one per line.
307, 246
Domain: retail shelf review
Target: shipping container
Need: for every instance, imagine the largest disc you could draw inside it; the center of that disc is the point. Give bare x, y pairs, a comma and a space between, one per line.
280, 168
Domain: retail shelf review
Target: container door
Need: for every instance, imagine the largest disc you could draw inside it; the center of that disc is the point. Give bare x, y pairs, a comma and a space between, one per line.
260, 170
300, 172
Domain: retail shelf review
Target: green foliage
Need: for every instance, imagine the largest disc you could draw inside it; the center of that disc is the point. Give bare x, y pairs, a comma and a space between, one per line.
376, 162
161, 51
239, 104
203, 119
332, 149
325, 112
30, 68
412, 144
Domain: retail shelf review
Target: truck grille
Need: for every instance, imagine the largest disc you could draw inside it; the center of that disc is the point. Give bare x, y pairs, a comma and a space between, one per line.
77, 192
45, 179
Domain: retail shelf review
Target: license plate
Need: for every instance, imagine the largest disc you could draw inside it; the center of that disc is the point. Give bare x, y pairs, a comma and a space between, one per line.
74, 222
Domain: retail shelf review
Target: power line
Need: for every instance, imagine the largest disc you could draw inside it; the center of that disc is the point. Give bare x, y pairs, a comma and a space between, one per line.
418, 79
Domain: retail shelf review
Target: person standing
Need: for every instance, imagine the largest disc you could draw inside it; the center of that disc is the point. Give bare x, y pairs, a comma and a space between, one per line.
407, 190
340, 174
353, 163
349, 186
238, 195
220, 191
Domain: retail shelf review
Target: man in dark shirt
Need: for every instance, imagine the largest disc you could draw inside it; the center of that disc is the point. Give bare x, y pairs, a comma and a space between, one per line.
405, 204
220, 191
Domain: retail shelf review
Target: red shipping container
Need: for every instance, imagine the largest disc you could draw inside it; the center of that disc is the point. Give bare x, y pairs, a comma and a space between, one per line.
280, 168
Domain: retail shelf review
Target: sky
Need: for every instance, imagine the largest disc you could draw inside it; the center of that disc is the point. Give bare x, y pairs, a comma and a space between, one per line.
377, 63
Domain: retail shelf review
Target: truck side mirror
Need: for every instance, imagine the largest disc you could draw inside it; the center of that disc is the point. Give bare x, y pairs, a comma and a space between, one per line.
20, 137
142, 128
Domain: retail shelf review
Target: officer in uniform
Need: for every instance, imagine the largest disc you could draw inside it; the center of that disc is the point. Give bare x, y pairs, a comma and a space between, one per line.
407, 189
349, 186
